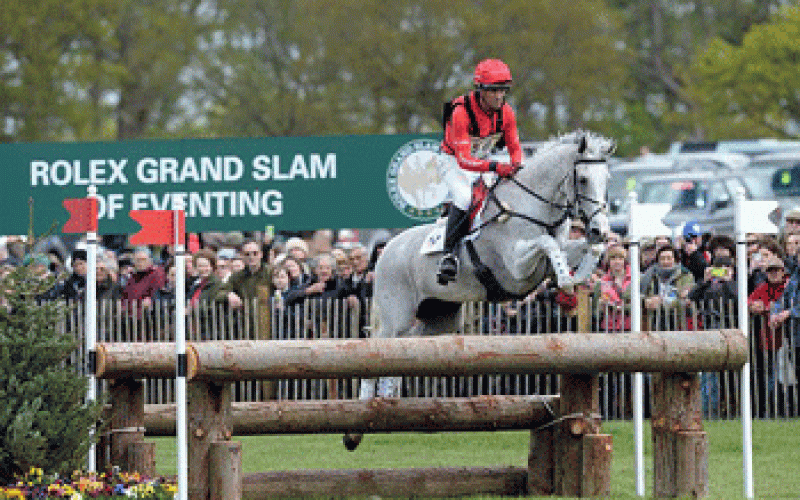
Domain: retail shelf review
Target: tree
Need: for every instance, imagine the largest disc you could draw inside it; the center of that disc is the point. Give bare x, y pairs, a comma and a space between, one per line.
751, 90
44, 421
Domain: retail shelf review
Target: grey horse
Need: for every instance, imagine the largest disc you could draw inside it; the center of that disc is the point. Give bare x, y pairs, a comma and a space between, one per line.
521, 240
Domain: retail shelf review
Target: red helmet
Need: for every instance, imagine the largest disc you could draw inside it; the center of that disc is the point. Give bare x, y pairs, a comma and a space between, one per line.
492, 74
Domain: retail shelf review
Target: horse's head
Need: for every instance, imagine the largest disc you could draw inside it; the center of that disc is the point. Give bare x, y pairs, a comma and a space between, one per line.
591, 181
591, 184
567, 177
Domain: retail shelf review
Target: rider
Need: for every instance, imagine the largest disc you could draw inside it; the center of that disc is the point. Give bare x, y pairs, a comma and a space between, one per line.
480, 121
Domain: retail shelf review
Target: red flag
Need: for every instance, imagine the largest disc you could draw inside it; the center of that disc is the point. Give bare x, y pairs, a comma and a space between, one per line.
82, 215
158, 227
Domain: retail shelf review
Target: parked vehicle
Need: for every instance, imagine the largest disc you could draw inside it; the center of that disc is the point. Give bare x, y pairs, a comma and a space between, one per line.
703, 195
629, 176
775, 176
750, 147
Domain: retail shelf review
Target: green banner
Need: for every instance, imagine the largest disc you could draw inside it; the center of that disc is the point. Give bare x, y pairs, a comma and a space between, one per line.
294, 183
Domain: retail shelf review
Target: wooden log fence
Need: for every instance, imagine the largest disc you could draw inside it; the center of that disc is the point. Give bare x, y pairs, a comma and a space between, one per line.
667, 351
569, 456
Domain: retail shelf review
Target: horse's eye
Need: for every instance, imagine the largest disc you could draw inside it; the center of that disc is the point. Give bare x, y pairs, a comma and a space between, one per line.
583, 181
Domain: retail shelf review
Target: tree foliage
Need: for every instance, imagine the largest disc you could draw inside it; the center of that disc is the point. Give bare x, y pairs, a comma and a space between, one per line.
44, 421
751, 90
646, 73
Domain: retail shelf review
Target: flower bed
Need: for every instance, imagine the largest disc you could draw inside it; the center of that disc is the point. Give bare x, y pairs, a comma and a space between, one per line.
83, 486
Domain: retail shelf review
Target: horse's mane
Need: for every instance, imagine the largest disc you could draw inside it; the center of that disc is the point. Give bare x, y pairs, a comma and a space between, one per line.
598, 147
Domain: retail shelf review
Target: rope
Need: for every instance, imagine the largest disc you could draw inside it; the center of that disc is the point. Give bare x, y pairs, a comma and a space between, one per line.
558, 420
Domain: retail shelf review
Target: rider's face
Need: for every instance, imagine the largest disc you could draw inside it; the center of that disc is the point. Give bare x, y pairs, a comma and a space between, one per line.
493, 98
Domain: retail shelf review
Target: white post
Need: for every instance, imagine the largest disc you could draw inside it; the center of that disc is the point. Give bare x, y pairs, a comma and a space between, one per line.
180, 350
636, 326
90, 325
744, 325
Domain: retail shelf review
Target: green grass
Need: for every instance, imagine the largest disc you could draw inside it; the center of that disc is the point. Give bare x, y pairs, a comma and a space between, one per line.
776, 455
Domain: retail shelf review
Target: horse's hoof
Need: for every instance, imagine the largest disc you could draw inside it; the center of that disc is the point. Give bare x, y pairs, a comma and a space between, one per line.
351, 441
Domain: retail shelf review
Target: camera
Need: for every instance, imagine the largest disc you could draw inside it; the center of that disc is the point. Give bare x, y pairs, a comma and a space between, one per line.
718, 272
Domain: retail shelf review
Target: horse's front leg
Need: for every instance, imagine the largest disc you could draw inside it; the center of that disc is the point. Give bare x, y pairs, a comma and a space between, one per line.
584, 256
527, 255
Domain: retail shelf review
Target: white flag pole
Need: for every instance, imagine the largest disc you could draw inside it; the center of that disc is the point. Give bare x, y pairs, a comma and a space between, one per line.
180, 350
744, 325
636, 327
90, 326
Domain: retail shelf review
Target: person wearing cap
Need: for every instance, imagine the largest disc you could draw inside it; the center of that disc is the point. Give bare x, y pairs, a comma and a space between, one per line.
770, 338
785, 314
612, 293
74, 287
223, 268
791, 223
693, 257
577, 230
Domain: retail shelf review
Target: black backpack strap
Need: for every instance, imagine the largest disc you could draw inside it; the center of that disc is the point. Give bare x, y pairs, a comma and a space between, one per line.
473, 122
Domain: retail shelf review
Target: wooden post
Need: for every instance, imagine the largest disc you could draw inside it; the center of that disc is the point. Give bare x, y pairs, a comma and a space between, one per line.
269, 388
225, 470
127, 419
680, 449
209, 420
541, 459
142, 458
581, 455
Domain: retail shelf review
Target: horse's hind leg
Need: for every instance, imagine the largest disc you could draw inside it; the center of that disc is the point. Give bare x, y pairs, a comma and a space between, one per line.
387, 322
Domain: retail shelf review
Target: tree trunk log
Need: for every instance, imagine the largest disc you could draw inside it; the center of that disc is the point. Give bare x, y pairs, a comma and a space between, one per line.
713, 350
408, 483
225, 470
481, 413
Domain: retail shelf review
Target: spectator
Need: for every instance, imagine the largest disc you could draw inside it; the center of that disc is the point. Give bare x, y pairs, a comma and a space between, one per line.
721, 246
205, 286
648, 256
770, 338
693, 256
791, 249
768, 247
577, 230
237, 263
145, 279
297, 278
166, 294
244, 284
108, 289
297, 248
223, 269
786, 315
323, 284
612, 294
791, 222
665, 287
39, 264
125, 269
716, 295
74, 288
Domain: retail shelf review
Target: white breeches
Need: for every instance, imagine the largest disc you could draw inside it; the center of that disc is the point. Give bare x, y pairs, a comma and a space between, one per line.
458, 181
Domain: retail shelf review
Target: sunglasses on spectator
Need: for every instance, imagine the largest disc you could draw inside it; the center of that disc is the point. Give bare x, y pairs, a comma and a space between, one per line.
250, 254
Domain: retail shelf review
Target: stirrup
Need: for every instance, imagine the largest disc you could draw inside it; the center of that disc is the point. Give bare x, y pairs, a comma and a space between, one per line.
448, 269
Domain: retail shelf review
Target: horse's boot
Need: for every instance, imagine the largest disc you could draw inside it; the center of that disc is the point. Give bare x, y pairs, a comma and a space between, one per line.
457, 223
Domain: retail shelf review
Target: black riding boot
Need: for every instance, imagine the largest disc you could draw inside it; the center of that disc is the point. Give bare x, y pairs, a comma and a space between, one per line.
457, 224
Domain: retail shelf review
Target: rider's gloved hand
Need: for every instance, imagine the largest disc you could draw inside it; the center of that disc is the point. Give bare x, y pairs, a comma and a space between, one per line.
503, 169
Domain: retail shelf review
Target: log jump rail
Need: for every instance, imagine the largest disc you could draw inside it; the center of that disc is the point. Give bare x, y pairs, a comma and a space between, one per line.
568, 455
